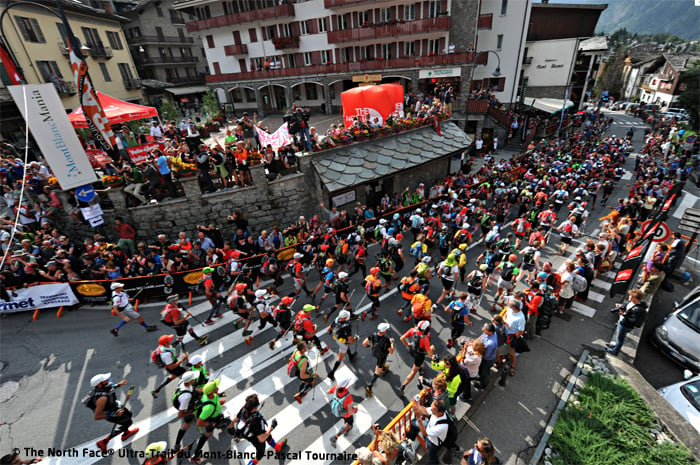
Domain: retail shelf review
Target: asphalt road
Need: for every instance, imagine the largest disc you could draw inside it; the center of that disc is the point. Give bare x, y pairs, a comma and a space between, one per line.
47, 364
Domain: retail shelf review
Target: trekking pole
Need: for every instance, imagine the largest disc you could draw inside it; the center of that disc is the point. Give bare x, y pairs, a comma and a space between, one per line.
233, 284
313, 389
128, 396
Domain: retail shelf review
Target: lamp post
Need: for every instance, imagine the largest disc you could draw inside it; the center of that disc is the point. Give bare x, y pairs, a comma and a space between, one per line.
496, 73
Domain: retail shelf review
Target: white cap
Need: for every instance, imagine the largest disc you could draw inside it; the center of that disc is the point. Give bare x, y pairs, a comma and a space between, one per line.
344, 315
383, 327
424, 325
189, 376
260, 293
97, 379
196, 359
342, 275
298, 255
418, 210
382, 221
116, 286
426, 259
344, 382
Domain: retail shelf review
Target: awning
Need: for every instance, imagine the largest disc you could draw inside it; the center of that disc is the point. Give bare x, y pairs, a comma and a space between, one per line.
547, 105
187, 90
360, 163
117, 111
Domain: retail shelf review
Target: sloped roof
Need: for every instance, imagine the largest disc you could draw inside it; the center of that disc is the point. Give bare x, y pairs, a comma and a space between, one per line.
681, 61
594, 44
362, 162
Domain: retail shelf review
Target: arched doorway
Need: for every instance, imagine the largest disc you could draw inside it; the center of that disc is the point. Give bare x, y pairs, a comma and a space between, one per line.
273, 98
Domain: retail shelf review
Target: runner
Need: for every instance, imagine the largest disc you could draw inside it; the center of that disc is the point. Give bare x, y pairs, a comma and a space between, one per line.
121, 306
341, 329
409, 287
305, 329
373, 287
250, 425
184, 399
341, 406
174, 316
102, 399
239, 304
264, 310
212, 295
209, 416
417, 340
298, 366
283, 316
382, 345
166, 356
342, 299
459, 309
296, 271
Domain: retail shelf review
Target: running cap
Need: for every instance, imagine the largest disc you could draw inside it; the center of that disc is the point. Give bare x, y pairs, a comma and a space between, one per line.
383, 327
97, 379
116, 286
211, 386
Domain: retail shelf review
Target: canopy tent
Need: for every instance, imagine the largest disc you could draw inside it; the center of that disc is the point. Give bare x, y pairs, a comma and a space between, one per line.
117, 111
547, 105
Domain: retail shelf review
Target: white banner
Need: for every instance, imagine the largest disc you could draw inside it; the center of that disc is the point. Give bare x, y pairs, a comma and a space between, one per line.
42, 296
48, 121
277, 139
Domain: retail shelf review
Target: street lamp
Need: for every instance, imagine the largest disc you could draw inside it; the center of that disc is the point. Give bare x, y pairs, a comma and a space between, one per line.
496, 73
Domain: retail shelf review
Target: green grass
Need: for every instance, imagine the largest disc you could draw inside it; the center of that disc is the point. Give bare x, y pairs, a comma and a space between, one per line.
610, 424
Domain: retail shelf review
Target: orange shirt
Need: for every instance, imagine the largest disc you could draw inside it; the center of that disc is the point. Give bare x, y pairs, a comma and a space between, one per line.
241, 155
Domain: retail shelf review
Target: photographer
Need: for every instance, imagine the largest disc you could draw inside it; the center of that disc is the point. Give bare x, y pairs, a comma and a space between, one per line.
631, 315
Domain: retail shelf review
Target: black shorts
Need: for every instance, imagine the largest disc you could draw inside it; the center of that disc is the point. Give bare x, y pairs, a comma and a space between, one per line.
327, 290
381, 361
177, 371
338, 300
418, 358
242, 167
474, 290
180, 329
566, 240
447, 284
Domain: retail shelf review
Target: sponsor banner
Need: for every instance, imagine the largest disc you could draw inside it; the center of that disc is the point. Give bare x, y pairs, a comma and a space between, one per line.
375, 102
139, 153
277, 139
98, 158
41, 296
439, 73
47, 119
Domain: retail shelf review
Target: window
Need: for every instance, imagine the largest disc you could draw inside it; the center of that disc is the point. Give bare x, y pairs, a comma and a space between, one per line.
343, 22
434, 9
292, 61
217, 67
271, 32
286, 30
203, 12
311, 91
304, 25
30, 29
105, 72
236, 95
210, 41
504, 6
346, 54
499, 41
409, 49
49, 70
308, 58
125, 72
433, 46
249, 95
62, 33
409, 12
176, 17
387, 51
92, 39
322, 25
385, 14
325, 57
114, 40
253, 34
135, 32
296, 93
159, 11
362, 17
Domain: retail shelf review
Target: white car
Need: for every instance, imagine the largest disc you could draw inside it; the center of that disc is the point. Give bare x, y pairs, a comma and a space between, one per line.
685, 398
678, 113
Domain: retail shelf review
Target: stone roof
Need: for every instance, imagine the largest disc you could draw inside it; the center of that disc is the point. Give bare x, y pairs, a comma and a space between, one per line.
363, 162
681, 61
593, 44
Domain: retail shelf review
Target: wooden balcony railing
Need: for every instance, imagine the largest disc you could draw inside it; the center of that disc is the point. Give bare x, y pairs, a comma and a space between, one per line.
485, 21
235, 49
389, 29
274, 12
160, 40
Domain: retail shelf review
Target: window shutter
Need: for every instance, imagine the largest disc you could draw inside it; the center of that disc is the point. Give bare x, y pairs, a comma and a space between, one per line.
501, 84
264, 32
316, 57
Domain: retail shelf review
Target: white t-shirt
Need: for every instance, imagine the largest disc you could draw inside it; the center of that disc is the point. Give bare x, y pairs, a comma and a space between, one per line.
566, 290
167, 355
436, 433
515, 321
185, 396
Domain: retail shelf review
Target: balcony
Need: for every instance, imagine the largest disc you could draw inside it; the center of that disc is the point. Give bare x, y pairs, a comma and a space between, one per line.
142, 40
342, 3
63, 87
151, 61
463, 58
132, 83
283, 43
99, 51
63, 48
485, 21
273, 12
186, 80
390, 29
527, 60
236, 49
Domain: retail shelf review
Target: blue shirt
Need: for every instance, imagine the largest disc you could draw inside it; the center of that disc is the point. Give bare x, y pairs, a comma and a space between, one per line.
491, 345
162, 163
206, 243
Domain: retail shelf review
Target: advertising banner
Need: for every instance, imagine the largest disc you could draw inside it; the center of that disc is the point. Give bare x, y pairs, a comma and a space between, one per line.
47, 119
139, 153
98, 158
277, 139
375, 101
42, 296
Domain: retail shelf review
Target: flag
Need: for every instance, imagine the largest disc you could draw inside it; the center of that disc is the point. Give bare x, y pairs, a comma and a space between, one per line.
92, 108
13, 77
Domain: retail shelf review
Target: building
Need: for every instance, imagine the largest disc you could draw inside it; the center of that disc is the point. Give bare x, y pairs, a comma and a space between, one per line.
169, 60
638, 62
660, 84
555, 64
263, 55
38, 42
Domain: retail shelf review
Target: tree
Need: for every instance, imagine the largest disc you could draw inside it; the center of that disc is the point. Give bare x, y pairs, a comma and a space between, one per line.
210, 105
611, 79
168, 110
689, 85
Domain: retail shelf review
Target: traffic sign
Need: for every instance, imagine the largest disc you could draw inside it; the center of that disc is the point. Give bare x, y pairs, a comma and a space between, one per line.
85, 193
660, 234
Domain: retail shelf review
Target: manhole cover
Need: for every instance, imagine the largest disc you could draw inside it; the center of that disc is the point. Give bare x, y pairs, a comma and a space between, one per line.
7, 390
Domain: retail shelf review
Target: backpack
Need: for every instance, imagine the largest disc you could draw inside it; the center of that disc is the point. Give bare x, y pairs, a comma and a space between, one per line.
415, 347
492, 237
299, 325
476, 280
422, 270
521, 226
90, 400
175, 398
451, 436
268, 265
155, 357
337, 407
507, 272
415, 222
578, 283
244, 430
200, 404
489, 259
380, 345
417, 250
457, 317
293, 365
384, 265
407, 454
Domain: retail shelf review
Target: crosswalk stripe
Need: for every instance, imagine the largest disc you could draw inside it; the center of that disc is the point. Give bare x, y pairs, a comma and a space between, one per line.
627, 176
583, 309
595, 296
602, 284
687, 202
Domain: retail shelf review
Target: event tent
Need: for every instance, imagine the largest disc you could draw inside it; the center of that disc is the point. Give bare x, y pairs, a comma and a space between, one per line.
117, 111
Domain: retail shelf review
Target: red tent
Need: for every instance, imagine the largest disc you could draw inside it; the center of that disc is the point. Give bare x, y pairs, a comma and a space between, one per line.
117, 111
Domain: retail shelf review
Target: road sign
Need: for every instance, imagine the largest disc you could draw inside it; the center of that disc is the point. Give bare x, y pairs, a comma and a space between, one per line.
85, 193
661, 233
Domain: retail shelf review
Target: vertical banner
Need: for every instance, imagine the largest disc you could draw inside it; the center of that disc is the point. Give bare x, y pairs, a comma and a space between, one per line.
92, 108
13, 77
54, 134
629, 267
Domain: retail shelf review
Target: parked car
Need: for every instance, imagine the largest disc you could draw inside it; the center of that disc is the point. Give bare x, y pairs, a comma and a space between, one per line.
619, 106
678, 113
631, 108
678, 337
685, 398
